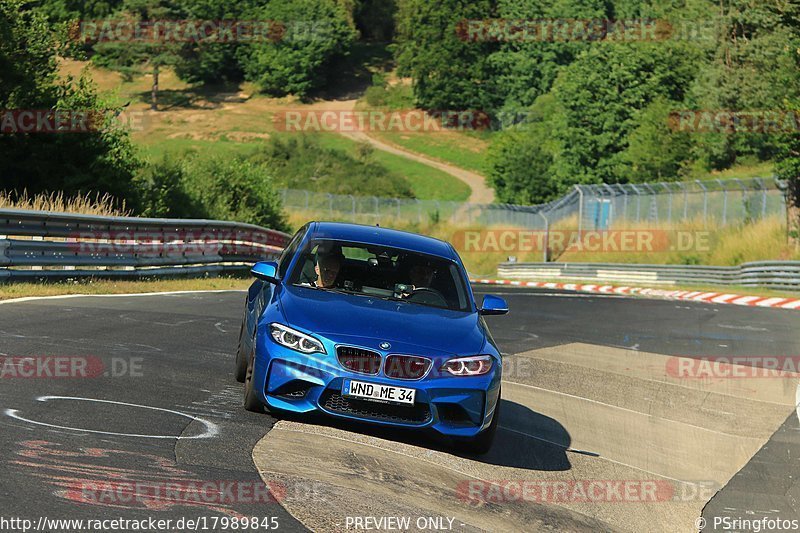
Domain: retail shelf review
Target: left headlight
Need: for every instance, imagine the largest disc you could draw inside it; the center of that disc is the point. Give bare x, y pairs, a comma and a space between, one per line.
295, 340
469, 366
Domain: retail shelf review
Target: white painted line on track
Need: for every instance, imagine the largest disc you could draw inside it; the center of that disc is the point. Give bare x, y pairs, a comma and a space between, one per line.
628, 410
211, 430
604, 458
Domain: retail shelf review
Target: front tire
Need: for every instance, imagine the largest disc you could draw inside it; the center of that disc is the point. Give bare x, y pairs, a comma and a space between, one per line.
251, 401
482, 442
240, 372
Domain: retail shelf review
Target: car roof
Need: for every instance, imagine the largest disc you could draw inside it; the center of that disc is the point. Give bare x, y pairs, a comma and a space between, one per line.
381, 237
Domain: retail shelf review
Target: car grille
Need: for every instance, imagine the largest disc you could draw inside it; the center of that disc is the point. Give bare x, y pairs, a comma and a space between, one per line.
401, 414
359, 360
406, 366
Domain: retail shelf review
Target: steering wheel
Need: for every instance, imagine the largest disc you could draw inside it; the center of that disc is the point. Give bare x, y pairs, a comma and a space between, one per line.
428, 296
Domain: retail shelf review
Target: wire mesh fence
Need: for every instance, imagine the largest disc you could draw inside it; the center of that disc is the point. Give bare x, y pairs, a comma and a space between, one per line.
591, 207
714, 203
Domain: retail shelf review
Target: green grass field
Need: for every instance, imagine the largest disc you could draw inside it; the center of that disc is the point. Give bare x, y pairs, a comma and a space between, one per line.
426, 182
464, 150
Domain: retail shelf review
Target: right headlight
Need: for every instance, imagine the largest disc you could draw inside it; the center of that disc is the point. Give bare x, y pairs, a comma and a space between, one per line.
477, 365
295, 340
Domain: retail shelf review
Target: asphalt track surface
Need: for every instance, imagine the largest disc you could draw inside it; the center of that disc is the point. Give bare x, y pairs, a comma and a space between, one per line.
586, 398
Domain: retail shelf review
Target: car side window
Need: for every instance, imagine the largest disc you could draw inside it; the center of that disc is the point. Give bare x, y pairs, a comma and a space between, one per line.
289, 251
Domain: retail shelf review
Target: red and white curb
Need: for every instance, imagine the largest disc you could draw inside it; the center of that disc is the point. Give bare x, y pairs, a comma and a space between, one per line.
696, 296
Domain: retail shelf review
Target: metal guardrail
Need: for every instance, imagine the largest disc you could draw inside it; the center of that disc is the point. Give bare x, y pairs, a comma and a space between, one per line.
36, 245
784, 275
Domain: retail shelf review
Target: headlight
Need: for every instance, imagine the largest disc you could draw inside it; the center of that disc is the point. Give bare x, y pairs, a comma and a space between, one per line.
291, 338
469, 366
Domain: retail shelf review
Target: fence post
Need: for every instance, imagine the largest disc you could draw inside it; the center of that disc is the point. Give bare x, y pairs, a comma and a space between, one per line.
653, 204
419, 211
638, 202
724, 202
743, 188
669, 202
546, 236
763, 198
330, 204
353, 200
685, 201
705, 202
613, 204
580, 209
624, 201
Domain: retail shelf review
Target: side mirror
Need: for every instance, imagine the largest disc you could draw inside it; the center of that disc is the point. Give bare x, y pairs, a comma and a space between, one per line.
266, 270
493, 305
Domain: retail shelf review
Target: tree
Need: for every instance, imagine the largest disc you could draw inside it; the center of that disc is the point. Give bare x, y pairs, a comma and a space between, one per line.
131, 58
601, 94
450, 72
375, 19
655, 152
521, 160
236, 189
788, 168
315, 32
753, 67
100, 160
519, 169
522, 71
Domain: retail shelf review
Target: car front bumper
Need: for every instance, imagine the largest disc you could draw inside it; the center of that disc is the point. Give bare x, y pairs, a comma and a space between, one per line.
459, 407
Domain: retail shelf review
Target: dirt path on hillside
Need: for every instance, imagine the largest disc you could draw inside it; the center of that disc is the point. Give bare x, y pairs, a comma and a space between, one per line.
481, 193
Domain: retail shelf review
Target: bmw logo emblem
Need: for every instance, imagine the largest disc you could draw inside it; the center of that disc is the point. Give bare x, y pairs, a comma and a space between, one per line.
385, 346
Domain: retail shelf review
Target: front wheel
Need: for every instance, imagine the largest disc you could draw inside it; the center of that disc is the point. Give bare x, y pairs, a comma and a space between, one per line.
251, 401
482, 442
240, 371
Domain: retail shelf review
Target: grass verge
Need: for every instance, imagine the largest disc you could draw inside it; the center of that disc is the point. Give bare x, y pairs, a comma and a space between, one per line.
20, 290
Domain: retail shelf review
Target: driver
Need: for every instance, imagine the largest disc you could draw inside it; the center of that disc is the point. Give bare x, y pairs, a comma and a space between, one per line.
327, 269
327, 264
421, 275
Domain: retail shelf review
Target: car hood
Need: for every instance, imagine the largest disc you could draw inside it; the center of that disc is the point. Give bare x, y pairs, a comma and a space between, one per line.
368, 321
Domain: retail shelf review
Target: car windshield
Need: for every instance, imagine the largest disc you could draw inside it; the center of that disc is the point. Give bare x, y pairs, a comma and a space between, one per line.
383, 272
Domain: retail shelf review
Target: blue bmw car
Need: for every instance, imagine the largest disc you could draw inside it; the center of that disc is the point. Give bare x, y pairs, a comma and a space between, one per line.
374, 325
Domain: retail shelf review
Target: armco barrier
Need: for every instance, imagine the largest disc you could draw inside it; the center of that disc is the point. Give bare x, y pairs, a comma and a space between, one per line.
38, 245
783, 275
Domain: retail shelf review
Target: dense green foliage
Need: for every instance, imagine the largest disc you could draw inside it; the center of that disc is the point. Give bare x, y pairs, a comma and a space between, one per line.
315, 32
215, 188
301, 163
571, 111
598, 110
102, 159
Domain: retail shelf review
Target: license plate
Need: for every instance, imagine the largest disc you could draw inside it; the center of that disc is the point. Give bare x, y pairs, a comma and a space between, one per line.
378, 393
